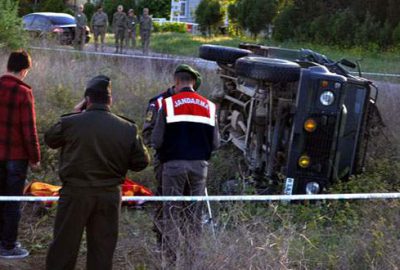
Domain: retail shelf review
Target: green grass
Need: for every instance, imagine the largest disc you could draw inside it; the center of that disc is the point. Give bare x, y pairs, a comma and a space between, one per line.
371, 60
188, 45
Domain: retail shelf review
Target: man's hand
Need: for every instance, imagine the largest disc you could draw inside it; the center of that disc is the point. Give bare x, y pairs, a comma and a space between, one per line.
35, 166
80, 106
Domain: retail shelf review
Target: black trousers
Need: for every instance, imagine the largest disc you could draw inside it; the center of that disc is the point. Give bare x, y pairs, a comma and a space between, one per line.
182, 220
94, 209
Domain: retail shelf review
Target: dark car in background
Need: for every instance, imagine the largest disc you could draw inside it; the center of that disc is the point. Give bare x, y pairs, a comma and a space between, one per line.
60, 26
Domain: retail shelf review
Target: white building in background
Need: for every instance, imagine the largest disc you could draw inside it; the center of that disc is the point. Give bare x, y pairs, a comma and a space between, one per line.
184, 10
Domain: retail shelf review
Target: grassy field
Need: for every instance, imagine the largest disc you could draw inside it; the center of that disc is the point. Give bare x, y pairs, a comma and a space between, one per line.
187, 44
325, 235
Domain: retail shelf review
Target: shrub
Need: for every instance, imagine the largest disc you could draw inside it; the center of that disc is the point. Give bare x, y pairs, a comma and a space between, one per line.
53, 6
25, 7
396, 35
11, 34
175, 27
344, 24
234, 27
89, 10
367, 35
209, 15
255, 15
285, 24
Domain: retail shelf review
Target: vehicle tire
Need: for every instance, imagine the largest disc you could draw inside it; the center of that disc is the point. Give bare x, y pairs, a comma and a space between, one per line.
268, 69
222, 54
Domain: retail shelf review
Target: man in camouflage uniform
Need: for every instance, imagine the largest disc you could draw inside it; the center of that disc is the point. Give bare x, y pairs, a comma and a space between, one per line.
185, 134
153, 107
80, 30
119, 24
131, 29
146, 25
99, 25
93, 163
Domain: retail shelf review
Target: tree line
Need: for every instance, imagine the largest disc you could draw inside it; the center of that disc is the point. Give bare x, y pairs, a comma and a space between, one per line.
340, 22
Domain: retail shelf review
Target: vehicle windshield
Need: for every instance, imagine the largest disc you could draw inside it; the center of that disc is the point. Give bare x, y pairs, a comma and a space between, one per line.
60, 20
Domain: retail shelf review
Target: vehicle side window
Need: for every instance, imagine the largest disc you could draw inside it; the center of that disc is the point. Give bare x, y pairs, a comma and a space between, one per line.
27, 21
40, 22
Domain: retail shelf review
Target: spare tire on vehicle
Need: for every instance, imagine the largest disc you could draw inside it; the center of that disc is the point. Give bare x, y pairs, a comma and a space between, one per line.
222, 54
268, 69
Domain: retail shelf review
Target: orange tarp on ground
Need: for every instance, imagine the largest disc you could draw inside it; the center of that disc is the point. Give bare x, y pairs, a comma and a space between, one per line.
128, 188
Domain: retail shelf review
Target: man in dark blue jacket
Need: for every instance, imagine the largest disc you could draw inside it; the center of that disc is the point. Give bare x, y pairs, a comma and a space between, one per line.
184, 135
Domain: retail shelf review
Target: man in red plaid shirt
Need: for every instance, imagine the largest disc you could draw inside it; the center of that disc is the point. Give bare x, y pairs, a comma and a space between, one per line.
19, 147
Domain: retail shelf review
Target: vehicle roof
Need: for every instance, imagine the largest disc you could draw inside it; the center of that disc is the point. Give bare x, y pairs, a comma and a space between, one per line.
51, 14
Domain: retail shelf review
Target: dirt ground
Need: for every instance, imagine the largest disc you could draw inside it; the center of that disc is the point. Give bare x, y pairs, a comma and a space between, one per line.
136, 248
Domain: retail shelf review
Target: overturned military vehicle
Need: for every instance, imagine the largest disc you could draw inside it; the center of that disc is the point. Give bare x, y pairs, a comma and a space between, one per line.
300, 119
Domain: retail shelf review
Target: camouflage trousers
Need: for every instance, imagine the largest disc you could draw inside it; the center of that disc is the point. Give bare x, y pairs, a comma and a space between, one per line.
145, 38
99, 31
80, 38
130, 38
182, 221
119, 35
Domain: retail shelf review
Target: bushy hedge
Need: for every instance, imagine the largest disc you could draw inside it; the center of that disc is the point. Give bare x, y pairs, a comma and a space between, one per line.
11, 32
344, 24
169, 27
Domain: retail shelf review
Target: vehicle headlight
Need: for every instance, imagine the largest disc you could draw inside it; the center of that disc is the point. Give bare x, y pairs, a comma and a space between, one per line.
327, 98
312, 188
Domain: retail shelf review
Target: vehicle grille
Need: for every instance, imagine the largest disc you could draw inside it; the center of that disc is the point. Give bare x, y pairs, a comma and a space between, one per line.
318, 145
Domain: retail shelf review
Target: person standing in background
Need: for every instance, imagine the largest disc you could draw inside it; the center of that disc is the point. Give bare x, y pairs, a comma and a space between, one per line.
119, 25
99, 25
80, 29
146, 26
131, 29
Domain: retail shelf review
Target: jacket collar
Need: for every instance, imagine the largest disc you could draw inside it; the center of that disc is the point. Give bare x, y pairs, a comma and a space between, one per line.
99, 107
14, 78
187, 89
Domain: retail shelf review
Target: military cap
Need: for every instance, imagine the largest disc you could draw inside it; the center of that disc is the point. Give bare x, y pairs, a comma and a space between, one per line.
189, 69
98, 86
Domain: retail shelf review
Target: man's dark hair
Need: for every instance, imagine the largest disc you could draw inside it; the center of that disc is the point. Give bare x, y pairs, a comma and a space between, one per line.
19, 60
185, 77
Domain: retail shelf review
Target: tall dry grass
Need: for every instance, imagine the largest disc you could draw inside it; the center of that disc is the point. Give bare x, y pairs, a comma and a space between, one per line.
336, 235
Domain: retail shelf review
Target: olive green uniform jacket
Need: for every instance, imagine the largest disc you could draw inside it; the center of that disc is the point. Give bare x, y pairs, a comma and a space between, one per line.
81, 19
120, 21
97, 148
99, 19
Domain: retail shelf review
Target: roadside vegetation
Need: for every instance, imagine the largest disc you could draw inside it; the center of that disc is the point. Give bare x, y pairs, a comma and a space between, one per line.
322, 235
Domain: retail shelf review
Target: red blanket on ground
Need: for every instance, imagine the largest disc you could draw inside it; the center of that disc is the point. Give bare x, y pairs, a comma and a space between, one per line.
128, 188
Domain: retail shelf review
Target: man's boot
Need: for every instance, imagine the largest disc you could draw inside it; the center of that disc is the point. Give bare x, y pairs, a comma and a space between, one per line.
116, 48
95, 47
